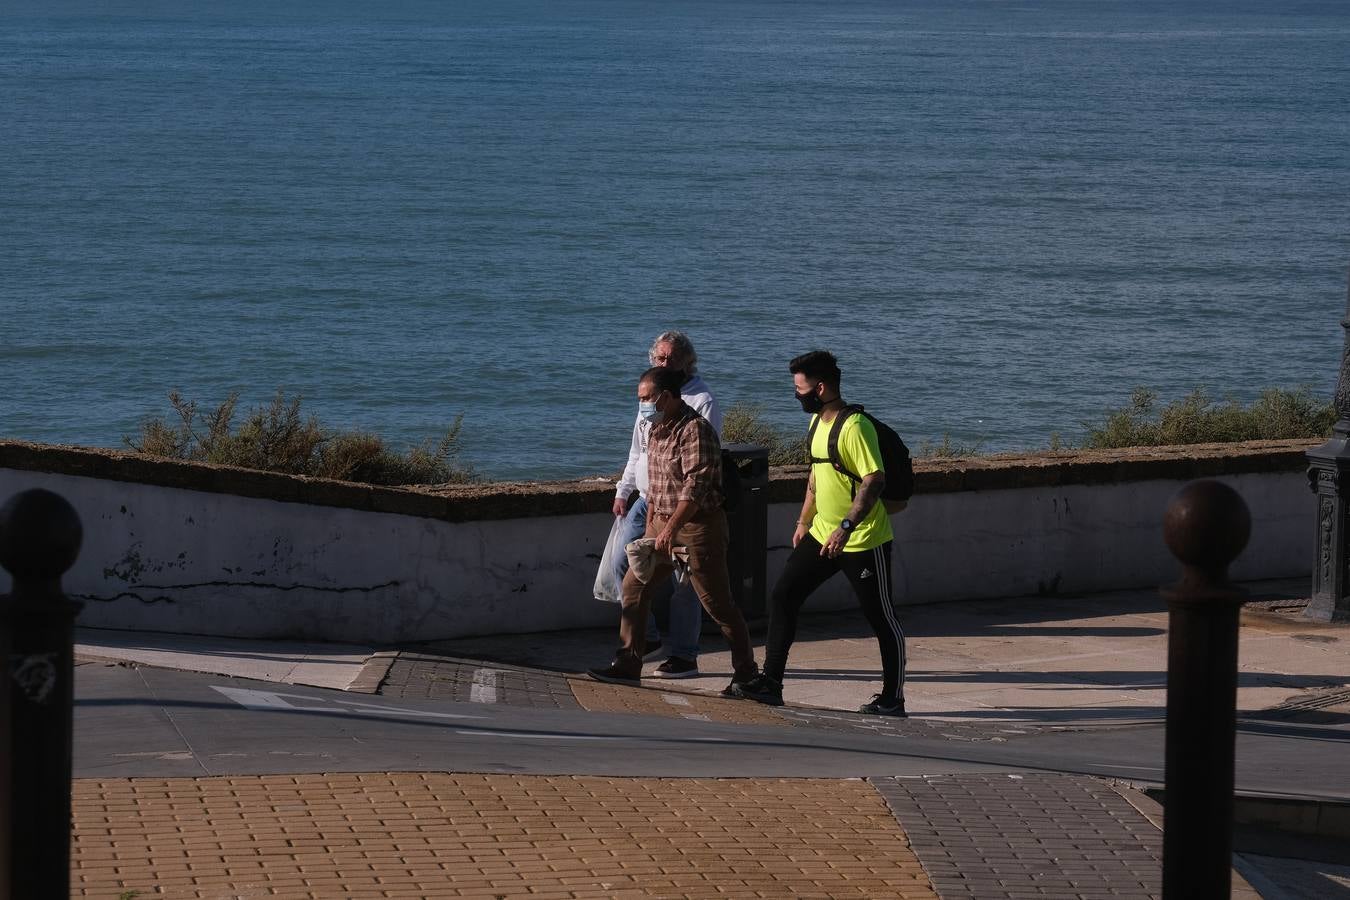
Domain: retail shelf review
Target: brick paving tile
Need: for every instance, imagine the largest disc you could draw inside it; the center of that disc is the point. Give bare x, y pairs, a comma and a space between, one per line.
477, 835
426, 676
996, 837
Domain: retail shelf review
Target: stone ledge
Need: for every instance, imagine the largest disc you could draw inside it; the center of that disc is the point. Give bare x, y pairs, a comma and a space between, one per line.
1050, 468
515, 500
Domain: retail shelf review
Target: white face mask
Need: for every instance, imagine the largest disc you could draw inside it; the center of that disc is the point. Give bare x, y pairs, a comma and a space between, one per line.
647, 409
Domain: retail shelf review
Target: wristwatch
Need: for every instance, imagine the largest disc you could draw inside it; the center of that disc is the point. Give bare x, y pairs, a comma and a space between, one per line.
846, 525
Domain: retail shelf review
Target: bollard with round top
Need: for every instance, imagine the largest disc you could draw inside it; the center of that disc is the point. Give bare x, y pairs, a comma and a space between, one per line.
1206, 526
40, 537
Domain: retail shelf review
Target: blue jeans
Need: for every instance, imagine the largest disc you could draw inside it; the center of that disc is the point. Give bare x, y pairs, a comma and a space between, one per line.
686, 613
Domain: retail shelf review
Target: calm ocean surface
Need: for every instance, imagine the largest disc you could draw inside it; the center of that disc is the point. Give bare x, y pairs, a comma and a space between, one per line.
1001, 215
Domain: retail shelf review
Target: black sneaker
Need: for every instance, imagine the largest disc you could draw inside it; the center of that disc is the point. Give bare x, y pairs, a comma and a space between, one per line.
626, 669
653, 652
879, 707
675, 667
749, 673
761, 689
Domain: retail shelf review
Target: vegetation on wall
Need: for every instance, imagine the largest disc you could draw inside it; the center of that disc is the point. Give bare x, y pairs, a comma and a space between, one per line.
279, 438
1198, 419
743, 423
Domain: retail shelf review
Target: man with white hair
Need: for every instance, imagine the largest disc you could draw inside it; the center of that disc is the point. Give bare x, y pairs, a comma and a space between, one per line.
670, 350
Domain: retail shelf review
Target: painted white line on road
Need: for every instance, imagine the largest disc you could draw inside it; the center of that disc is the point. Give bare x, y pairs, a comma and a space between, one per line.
697, 717
380, 709
171, 755
484, 688
276, 702
526, 735
520, 735
250, 699
400, 711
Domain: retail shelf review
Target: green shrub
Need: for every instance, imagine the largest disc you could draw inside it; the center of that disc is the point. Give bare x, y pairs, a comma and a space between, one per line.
742, 423
1197, 419
948, 449
277, 438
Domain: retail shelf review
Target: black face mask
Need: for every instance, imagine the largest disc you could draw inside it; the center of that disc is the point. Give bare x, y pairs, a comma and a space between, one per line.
810, 402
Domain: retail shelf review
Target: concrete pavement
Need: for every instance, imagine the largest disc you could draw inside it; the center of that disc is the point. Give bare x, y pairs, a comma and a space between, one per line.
1098, 659
1091, 669
336, 666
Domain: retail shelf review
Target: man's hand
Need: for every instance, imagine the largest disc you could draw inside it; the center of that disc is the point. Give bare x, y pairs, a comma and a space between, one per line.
800, 532
620, 506
835, 545
665, 541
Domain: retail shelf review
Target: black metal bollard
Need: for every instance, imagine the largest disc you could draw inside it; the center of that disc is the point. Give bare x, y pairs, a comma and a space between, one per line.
1206, 526
39, 539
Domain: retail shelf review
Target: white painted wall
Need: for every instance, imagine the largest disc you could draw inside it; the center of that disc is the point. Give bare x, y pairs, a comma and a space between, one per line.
1082, 538
170, 559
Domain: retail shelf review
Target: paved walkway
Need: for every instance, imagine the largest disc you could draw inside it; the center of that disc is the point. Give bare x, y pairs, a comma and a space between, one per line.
1099, 659
446, 835
979, 672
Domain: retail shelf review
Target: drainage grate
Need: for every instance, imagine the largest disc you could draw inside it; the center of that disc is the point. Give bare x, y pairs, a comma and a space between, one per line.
1323, 700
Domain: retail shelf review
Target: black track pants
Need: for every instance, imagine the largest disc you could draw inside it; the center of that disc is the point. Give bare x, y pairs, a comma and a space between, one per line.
869, 571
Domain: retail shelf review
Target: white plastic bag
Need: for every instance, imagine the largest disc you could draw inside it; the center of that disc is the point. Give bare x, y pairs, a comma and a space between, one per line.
607, 585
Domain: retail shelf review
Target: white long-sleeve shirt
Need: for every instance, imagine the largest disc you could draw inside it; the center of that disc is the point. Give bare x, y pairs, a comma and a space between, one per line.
693, 392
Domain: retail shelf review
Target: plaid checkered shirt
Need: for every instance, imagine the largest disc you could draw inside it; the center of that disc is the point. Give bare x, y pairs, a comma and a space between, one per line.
684, 462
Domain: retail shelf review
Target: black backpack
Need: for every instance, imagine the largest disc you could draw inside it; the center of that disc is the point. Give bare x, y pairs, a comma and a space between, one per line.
894, 457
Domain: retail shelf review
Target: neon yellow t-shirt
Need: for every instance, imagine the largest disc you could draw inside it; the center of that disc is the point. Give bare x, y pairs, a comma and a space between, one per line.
860, 452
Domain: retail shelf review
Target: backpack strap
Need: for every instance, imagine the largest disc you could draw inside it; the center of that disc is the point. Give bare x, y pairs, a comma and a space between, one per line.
810, 438
836, 427
835, 459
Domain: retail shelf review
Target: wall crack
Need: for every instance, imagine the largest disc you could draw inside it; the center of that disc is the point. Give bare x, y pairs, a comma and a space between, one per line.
242, 584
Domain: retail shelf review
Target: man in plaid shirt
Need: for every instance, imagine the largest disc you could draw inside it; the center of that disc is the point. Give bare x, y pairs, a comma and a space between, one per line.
684, 510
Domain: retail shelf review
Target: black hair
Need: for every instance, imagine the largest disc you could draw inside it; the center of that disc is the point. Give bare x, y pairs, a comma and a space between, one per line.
818, 364
668, 380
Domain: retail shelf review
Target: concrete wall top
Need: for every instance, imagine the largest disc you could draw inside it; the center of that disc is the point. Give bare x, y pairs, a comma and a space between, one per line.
515, 500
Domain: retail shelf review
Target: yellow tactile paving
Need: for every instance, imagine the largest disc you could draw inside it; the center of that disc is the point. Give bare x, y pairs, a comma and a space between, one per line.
439, 835
597, 696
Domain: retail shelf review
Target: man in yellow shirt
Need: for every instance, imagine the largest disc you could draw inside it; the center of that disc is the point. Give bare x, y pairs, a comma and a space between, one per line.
843, 527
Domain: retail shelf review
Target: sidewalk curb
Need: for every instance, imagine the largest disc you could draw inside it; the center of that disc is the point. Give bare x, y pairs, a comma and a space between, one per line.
1140, 798
1309, 816
373, 672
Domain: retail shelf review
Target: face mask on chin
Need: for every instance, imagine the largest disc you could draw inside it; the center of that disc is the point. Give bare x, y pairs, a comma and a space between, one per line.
810, 402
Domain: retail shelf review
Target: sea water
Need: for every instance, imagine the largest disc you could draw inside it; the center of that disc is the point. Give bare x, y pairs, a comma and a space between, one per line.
1002, 216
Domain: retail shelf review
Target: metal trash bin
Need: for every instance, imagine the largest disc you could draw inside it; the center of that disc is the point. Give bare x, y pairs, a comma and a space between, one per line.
748, 525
